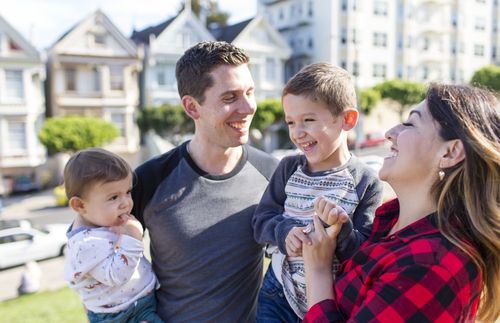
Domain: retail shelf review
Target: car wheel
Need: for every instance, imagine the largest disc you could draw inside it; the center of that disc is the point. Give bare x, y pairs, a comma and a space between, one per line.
64, 250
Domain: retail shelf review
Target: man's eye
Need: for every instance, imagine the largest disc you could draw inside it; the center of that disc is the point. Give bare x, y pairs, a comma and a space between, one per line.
229, 98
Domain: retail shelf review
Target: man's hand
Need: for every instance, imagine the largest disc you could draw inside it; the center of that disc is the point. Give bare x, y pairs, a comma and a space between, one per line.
294, 240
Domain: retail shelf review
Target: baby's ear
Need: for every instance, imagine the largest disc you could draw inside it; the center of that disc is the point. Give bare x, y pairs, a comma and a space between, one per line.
350, 118
76, 204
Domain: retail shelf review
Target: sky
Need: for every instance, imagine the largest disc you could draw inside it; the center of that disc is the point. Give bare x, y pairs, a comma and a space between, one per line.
44, 21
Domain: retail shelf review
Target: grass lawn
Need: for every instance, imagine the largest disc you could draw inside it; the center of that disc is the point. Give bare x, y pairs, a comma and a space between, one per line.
61, 306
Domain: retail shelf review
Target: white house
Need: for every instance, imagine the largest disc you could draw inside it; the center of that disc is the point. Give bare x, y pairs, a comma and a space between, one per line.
22, 108
165, 43
93, 70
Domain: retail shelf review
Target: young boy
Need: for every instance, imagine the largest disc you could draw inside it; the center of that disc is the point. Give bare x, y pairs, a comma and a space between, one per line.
320, 108
105, 262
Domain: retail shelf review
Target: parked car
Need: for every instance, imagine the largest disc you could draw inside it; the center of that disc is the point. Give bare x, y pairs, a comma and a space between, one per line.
24, 184
14, 223
373, 161
21, 244
372, 140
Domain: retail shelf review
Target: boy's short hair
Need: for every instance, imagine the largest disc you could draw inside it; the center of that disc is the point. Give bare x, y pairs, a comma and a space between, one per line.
324, 82
193, 69
91, 166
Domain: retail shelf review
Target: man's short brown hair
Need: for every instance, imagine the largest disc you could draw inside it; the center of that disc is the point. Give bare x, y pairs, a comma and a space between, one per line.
326, 83
193, 68
91, 166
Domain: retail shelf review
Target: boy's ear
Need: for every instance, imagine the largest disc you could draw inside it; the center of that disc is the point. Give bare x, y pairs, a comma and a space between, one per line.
77, 204
454, 154
190, 106
350, 119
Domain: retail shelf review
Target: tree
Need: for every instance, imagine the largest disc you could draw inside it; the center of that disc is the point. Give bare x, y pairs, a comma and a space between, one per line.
268, 112
403, 92
488, 76
210, 8
368, 99
165, 120
69, 134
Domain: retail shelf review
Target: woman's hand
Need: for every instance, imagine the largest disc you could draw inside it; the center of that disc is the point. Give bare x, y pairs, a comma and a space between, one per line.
318, 260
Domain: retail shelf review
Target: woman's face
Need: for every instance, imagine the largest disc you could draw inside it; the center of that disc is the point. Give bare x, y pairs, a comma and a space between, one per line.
416, 150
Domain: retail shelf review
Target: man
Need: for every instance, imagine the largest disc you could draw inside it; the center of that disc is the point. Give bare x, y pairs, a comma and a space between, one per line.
198, 199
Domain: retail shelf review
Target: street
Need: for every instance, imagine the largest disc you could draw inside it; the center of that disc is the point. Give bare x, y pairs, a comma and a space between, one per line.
40, 209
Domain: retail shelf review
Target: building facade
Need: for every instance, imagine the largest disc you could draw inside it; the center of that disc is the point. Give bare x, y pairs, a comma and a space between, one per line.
417, 40
22, 110
93, 70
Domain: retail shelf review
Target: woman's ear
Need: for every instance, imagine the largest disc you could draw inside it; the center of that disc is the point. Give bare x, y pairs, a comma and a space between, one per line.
453, 155
350, 118
77, 204
190, 106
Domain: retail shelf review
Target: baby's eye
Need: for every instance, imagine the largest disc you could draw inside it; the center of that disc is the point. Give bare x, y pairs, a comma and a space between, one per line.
114, 197
129, 192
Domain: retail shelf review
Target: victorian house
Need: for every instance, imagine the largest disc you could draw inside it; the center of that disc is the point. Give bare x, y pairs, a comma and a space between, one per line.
22, 110
93, 70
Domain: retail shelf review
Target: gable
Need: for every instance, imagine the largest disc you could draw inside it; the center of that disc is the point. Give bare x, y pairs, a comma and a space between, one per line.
95, 36
14, 45
259, 35
185, 31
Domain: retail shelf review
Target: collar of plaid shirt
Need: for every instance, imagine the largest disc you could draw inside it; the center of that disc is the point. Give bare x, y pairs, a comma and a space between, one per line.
415, 274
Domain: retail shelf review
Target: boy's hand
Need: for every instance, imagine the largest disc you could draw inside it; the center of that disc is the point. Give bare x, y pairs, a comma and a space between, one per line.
294, 240
131, 227
329, 212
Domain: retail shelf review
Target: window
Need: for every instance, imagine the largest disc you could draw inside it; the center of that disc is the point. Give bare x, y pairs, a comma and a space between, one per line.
479, 50
311, 43
380, 8
343, 5
116, 77
425, 72
310, 11
355, 68
426, 43
70, 79
454, 48
343, 36
343, 64
379, 39
480, 24
17, 137
454, 20
118, 119
270, 69
160, 78
494, 52
96, 75
379, 70
14, 84
100, 39
354, 37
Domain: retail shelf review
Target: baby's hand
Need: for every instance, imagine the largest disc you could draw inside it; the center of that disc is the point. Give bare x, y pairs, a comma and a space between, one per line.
329, 212
294, 240
131, 227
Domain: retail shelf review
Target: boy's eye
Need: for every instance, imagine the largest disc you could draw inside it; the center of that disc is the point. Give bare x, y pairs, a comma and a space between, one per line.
289, 123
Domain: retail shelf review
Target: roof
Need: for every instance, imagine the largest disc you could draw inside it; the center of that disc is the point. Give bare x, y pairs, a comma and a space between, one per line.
229, 33
142, 36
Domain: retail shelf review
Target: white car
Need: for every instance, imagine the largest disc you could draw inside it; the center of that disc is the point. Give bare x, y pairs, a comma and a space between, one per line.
21, 244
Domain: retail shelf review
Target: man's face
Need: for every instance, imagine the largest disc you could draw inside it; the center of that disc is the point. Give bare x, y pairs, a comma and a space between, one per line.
229, 106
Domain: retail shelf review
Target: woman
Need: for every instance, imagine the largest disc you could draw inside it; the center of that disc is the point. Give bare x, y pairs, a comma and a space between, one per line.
434, 253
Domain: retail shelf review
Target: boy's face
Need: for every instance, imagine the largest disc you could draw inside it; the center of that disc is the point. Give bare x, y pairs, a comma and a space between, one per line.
314, 130
224, 117
106, 204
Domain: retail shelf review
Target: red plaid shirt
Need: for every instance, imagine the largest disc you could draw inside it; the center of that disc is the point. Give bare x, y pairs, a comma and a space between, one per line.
413, 275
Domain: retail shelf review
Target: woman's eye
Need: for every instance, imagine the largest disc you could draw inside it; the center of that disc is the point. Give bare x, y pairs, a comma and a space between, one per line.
407, 124
309, 120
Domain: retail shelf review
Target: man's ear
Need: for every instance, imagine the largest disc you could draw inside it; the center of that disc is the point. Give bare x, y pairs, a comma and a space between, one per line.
190, 106
350, 118
77, 204
454, 153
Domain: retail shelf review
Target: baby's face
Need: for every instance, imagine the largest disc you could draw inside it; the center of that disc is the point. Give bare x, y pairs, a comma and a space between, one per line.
106, 204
